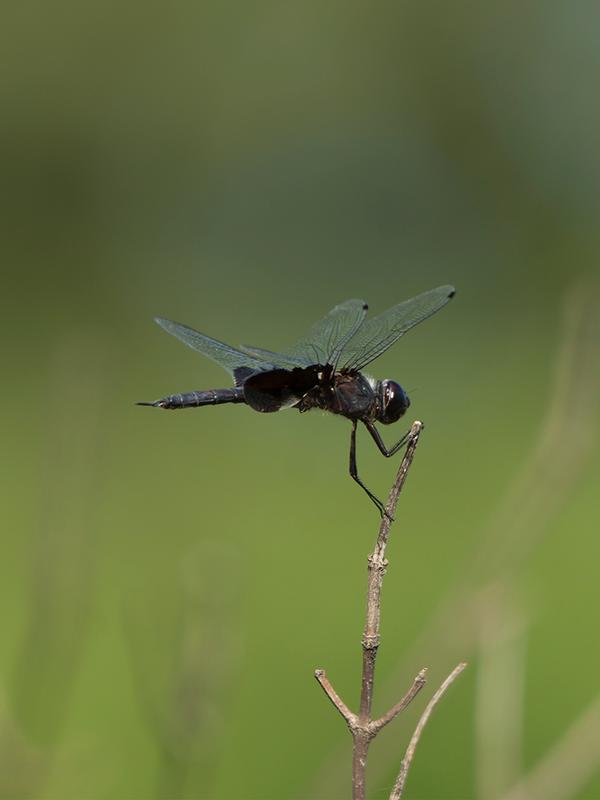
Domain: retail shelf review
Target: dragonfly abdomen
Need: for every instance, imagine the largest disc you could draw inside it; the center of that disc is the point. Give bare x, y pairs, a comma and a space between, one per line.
209, 397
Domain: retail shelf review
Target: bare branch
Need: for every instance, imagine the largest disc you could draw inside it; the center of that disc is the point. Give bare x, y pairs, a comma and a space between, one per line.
392, 501
412, 745
370, 640
418, 683
337, 701
362, 727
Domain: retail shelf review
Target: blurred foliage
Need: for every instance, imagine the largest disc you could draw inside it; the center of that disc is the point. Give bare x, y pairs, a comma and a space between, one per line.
169, 582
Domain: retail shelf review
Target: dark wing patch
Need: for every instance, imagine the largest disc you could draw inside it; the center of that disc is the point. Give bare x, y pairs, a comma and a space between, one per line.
279, 388
241, 374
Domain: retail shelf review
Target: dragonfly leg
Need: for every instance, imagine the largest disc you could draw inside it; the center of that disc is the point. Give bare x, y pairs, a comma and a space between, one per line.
381, 444
355, 476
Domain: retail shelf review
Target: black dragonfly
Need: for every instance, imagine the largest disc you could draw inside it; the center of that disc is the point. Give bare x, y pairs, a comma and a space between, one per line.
323, 370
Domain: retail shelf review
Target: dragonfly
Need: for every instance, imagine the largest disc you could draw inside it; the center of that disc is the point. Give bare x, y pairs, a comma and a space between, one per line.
323, 370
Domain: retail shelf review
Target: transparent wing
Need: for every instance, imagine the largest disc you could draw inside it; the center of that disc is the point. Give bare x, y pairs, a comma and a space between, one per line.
324, 342
281, 359
381, 332
228, 357
327, 338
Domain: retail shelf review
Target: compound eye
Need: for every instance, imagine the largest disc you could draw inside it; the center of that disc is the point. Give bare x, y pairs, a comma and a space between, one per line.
395, 402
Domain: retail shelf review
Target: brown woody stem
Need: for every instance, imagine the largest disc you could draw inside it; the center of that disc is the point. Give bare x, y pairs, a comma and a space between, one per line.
362, 727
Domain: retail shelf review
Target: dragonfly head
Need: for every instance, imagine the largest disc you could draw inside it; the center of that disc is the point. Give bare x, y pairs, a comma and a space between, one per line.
393, 402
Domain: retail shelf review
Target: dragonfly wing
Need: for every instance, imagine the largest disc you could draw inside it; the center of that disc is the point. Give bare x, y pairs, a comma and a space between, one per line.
327, 338
324, 341
381, 332
228, 357
281, 359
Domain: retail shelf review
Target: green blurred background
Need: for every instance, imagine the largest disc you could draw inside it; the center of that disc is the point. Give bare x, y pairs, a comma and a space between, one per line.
169, 582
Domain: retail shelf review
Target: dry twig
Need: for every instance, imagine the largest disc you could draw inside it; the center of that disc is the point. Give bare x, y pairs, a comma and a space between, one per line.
362, 727
412, 745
